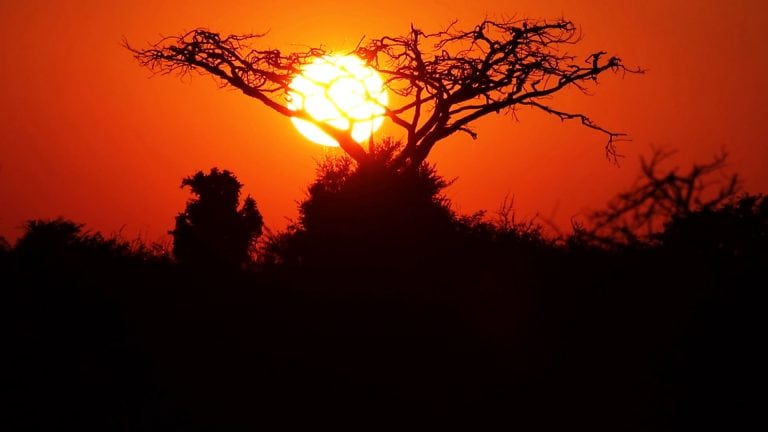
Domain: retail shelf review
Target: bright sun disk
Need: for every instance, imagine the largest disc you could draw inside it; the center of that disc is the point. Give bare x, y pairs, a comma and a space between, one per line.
341, 91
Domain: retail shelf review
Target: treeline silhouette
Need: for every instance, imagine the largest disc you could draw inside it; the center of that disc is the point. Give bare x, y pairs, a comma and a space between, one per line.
382, 308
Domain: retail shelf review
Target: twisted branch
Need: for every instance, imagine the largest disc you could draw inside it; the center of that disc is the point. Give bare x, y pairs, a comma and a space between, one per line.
446, 80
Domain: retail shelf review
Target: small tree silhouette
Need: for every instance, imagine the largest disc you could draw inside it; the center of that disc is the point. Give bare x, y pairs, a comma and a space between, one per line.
212, 232
446, 80
658, 198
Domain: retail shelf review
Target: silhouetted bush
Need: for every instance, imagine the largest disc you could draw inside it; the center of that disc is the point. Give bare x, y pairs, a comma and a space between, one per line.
61, 242
369, 215
68, 296
212, 232
383, 309
737, 229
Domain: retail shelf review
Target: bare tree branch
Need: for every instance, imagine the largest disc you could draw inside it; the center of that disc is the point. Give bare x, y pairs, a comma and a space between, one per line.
262, 74
445, 80
658, 197
468, 74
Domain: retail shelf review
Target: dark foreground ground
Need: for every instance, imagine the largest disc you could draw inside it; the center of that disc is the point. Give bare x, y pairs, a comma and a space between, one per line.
546, 339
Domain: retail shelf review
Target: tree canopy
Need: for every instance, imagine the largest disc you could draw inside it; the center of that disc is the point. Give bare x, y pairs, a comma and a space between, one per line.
212, 231
445, 80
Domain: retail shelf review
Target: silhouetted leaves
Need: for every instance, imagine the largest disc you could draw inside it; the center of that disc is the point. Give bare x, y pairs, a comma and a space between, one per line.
369, 215
63, 243
212, 232
737, 230
382, 306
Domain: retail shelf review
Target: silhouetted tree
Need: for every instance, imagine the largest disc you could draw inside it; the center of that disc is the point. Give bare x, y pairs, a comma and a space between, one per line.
212, 231
368, 215
658, 198
446, 80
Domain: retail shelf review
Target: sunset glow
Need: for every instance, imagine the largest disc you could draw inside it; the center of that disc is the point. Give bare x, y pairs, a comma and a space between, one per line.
483, 214
98, 125
342, 92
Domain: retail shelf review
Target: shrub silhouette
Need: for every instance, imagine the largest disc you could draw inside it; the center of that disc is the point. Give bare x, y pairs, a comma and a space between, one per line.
737, 229
369, 215
49, 237
212, 231
62, 242
372, 214
509, 329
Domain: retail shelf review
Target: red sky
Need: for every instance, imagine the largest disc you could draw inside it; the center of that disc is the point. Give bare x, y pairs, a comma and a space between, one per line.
88, 135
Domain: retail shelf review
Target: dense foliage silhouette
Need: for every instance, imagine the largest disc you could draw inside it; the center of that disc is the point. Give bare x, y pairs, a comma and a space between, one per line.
212, 231
368, 216
417, 316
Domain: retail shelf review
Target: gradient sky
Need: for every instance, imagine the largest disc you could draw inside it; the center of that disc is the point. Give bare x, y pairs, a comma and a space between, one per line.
89, 135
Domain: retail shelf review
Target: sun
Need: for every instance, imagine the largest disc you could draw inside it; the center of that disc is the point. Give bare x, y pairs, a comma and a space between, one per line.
341, 91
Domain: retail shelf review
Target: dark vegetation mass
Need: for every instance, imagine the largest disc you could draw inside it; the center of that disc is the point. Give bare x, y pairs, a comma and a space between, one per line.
382, 308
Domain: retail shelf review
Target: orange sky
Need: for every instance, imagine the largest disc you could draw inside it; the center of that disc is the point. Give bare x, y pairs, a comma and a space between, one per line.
88, 135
